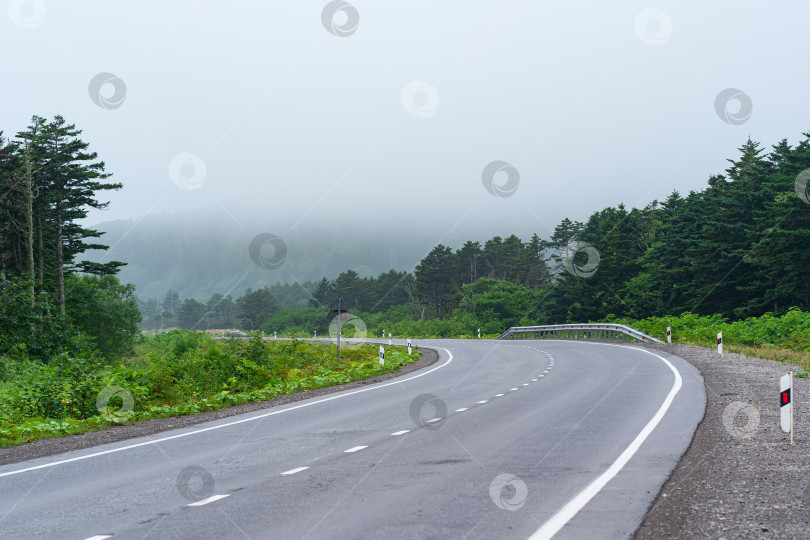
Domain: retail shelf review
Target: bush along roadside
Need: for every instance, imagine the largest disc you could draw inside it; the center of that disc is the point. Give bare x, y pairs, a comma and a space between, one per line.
784, 338
175, 374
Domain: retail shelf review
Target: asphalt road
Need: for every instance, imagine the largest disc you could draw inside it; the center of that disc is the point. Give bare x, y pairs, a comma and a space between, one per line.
496, 440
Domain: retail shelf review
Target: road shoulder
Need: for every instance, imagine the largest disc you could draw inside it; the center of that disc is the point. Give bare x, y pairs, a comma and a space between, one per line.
739, 478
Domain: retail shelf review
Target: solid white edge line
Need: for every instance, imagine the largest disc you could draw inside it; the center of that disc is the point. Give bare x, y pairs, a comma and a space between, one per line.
294, 471
354, 449
209, 500
398, 433
220, 426
567, 512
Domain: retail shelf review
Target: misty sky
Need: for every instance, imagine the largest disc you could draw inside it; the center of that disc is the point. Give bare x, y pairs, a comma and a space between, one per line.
269, 115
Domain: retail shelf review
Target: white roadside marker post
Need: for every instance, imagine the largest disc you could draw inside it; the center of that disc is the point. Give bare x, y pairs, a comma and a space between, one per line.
382, 355
409, 346
669, 334
274, 335
315, 334
720, 343
479, 333
389, 339
786, 404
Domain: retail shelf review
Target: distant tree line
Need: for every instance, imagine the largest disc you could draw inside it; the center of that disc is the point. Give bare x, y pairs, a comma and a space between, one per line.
739, 248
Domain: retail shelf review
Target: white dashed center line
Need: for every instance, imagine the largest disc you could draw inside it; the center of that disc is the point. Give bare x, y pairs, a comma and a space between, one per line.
483, 401
461, 409
512, 389
209, 500
398, 433
294, 471
434, 420
100, 537
498, 395
354, 449
525, 384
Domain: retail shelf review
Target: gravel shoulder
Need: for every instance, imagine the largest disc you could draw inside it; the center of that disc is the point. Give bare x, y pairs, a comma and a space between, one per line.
49, 447
740, 478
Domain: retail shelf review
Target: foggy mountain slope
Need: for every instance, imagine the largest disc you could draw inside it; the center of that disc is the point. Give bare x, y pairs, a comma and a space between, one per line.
198, 255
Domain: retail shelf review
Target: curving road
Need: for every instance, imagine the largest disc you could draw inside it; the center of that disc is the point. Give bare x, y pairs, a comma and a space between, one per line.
496, 440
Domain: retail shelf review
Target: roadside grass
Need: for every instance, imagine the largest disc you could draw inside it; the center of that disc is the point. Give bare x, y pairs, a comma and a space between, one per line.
784, 338
764, 352
175, 374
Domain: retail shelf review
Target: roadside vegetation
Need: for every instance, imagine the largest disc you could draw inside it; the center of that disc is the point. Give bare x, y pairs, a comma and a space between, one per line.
182, 372
782, 339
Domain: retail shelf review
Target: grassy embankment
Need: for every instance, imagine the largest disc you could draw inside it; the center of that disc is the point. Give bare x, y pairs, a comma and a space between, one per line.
179, 373
781, 339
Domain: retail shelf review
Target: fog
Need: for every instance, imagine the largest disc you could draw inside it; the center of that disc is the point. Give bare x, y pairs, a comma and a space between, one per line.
382, 116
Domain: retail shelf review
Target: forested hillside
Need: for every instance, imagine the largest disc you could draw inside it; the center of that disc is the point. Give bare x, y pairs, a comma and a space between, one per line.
736, 249
197, 254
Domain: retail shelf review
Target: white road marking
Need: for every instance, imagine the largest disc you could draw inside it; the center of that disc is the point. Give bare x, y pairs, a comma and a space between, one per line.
525, 384
209, 500
534, 380
398, 433
483, 401
432, 420
512, 389
294, 471
227, 424
541, 375
498, 395
567, 512
354, 449
100, 537
461, 409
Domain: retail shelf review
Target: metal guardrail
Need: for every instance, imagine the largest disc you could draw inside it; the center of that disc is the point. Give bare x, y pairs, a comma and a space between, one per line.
615, 332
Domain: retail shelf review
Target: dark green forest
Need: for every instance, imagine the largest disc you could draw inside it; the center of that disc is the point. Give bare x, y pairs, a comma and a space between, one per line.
737, 249
50, 300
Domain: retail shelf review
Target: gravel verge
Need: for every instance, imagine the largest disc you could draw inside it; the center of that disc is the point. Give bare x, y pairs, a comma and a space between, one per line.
48, 447
740, 478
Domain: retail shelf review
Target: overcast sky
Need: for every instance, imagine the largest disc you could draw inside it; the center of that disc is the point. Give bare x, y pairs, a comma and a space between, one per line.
377, 111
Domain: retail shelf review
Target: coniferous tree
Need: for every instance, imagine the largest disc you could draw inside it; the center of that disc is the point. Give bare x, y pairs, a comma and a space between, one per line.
68, 178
